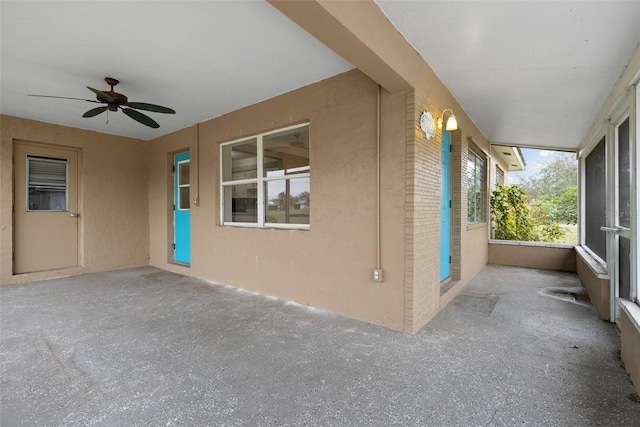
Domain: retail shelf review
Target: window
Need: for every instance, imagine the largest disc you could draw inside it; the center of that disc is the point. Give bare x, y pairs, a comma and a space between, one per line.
595, 200
46, 184
183, 186
499, 176
265, 179
476, 188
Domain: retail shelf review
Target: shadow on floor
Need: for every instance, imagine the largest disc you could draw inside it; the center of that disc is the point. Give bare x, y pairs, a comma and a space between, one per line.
147, 347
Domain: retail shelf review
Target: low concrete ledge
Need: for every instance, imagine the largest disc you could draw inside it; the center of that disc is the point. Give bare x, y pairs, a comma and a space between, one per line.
599, 270
630, 339
544, 256
595, 279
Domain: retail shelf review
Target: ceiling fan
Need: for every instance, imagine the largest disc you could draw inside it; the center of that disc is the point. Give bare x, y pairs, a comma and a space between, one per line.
115, 101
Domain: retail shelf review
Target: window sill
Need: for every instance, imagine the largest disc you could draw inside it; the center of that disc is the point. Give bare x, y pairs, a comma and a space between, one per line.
527, 243
598, 269
269, 226
474, 225
632, 310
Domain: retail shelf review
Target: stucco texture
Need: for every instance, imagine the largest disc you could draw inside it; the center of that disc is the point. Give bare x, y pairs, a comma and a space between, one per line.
113, 197
630, 341
126, 199
330, 265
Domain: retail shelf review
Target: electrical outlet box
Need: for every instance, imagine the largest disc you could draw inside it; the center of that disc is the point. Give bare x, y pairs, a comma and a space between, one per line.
377, 275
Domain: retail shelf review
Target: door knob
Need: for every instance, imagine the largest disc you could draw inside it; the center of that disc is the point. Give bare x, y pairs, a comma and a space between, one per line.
74, 214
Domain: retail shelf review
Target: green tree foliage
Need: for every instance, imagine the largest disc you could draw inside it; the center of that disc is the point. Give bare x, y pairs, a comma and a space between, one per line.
281, 199
514, 219
304, 196
540, 203
561, 208
510, 213
567, 206
547, 228
560, 174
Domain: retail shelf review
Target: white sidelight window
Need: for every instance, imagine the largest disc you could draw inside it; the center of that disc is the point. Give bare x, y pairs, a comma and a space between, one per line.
183, 185
265, 179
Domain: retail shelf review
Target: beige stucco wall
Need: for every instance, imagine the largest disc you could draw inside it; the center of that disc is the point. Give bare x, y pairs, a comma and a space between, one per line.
630, 340
330, 265
360, 33
126, 215
533, 255
113, 223
127, 219
597, 287
476, 250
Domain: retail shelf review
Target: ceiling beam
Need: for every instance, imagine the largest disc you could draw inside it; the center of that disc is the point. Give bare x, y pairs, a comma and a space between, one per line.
360, 33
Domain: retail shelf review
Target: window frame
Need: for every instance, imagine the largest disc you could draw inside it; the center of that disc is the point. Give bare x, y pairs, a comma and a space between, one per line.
499, 176
260, 181
28, 182
483, 186
586, 236
181, 186
635, 187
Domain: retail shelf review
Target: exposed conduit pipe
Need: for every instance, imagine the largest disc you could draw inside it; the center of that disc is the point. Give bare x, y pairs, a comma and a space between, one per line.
378, 244
197, 199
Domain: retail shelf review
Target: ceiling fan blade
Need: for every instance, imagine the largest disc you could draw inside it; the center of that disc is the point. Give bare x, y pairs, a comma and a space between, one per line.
142, 118
150, 107
95, 111
102, 96
65, 97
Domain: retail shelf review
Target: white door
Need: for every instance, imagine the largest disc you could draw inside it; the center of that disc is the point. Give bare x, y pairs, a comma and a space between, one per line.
623, 201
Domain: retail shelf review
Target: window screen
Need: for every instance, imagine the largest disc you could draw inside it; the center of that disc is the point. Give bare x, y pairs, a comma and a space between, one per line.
595, 207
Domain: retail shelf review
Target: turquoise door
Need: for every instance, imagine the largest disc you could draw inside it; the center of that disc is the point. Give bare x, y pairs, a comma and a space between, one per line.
445, 207
181, 208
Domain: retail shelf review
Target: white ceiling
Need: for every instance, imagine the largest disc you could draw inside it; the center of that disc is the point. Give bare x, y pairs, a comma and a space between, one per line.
202, 59
528, 73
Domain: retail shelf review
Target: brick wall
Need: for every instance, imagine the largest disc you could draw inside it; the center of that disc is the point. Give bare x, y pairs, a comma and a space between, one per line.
458, 201
422, 217
469, 242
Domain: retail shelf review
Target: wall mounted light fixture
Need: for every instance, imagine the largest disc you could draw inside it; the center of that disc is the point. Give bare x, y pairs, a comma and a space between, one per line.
452, 123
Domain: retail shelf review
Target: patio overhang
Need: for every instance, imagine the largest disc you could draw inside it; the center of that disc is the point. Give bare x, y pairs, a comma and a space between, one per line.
512, 157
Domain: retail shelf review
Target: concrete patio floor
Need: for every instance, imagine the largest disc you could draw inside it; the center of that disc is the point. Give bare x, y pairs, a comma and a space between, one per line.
143, 346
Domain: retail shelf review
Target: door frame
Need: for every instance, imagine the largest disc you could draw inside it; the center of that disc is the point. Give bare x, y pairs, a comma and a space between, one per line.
174, 202
40, 149
624, 110
448, 234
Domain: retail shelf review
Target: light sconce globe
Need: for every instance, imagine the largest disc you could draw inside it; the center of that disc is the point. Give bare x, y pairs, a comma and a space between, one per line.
451, 124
